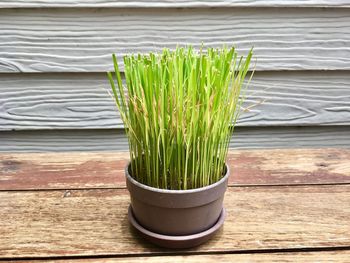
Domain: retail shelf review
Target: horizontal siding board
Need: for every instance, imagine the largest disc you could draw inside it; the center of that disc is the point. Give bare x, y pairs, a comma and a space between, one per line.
115, 140
172, 3
82, 101
80, 40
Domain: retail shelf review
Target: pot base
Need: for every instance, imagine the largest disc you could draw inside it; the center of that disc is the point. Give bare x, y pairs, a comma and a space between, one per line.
178, 242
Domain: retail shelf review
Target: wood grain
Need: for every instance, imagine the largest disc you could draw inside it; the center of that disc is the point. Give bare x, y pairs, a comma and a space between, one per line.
306, 257
171, 3
82, 101
80, 40
115, 140
106, 169
93, 222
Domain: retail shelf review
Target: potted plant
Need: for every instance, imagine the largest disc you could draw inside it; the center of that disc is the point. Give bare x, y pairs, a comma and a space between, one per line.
179, 109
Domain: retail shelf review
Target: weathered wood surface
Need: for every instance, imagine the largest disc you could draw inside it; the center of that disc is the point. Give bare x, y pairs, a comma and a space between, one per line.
305, 257
106, 170
64, 40
172, 3
94, 222
82, 101
115, 140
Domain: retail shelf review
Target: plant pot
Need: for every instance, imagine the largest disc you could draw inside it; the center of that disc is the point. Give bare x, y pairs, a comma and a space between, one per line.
172, 218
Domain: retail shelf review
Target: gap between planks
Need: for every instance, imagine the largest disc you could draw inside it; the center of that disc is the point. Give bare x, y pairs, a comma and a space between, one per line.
307, 255
68, 190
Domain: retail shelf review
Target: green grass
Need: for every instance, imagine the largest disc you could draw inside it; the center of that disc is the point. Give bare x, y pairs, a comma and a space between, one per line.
179, 109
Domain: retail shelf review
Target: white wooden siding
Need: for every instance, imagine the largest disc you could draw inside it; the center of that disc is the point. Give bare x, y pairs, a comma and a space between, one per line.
53, 55
174, 3
81, 101
82, 40
115, 140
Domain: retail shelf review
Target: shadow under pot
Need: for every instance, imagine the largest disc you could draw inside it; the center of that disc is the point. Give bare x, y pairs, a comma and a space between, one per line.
176, 218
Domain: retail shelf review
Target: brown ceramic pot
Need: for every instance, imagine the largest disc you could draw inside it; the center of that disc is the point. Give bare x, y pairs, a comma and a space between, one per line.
176, 212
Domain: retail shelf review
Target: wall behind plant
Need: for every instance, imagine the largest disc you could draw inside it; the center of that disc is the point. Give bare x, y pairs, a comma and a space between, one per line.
54, 54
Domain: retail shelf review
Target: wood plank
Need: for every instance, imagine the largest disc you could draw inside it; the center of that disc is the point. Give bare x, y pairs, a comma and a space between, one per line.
306, 257
81, 101
80, 40
106, 169
115, 140
93, 222
171, 3
62, 170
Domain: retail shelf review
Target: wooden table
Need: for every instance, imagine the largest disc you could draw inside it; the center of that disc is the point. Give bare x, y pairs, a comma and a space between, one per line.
283, 205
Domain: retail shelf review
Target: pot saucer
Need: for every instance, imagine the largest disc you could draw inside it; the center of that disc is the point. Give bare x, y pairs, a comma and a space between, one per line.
186, 241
